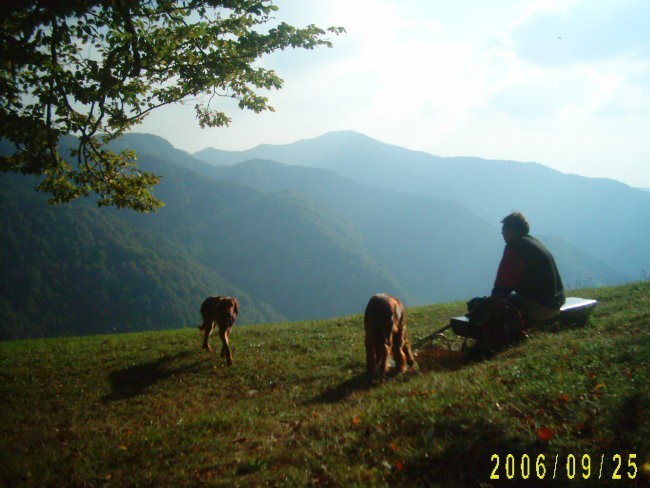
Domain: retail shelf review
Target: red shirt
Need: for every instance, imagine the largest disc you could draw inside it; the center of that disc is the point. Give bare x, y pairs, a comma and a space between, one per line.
511, 271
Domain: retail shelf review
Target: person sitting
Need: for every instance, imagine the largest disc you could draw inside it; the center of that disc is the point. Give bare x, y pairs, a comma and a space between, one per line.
527, 287
527, 273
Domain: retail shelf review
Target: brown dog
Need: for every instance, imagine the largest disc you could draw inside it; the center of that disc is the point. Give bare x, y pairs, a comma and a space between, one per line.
223, 312
385, 326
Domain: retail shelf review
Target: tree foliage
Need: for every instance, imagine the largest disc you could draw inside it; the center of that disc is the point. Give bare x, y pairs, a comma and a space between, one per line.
93, 69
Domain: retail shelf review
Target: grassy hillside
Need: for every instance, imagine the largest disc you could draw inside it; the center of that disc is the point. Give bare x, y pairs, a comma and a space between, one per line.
152, 409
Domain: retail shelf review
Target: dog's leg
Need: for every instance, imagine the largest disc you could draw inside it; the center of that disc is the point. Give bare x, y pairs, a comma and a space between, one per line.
384, 355
224, 334
398, 352
207, 327
223, 345
228, 351
402, 353
410, 359
371, 358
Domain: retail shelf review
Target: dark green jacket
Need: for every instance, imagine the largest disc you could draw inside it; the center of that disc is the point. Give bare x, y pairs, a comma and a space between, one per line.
528, 269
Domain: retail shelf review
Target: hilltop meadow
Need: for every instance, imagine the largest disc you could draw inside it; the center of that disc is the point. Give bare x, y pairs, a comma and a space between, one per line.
568, 406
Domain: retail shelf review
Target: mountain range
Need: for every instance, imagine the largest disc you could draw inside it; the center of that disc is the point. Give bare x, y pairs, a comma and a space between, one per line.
601, 216
299, 231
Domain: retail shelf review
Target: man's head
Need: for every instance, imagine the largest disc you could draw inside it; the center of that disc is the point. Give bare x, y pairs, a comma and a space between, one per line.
514, 225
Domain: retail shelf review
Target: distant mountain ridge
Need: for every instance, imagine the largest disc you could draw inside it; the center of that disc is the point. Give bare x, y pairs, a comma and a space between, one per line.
428, 244
438, 248
599, 216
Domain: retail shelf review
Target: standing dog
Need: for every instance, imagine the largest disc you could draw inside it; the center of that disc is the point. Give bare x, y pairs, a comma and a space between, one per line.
221, 311
385, 326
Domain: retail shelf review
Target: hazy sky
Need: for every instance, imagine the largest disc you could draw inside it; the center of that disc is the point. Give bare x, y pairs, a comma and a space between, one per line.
565, 83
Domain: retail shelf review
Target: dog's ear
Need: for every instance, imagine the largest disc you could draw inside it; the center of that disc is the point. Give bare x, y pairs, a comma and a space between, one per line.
235, 305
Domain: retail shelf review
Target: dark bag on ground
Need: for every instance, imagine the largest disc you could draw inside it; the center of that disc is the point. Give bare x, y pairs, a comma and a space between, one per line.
495, 323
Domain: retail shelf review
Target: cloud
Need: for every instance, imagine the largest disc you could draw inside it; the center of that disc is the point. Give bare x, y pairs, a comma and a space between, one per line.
580, 60
487, 79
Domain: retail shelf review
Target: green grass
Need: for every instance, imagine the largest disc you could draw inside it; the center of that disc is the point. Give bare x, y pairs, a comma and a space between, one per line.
153, 409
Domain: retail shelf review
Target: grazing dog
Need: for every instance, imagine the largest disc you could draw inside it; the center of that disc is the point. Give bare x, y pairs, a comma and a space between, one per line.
223, 312
385, 326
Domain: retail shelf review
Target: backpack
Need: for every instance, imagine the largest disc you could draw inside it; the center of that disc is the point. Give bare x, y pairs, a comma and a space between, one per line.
495, 323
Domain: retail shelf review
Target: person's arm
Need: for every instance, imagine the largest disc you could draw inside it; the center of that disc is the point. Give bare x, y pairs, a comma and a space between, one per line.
509, 274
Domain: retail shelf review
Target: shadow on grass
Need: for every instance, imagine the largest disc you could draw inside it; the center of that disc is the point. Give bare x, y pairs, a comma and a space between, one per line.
427, 364
135, 380
451, 451
354, 384
342, 391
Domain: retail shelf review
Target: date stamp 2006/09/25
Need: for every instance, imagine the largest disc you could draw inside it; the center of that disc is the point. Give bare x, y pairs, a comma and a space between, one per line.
567, 466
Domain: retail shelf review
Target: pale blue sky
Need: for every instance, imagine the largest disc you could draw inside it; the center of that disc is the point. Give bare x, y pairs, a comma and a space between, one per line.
565, 83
